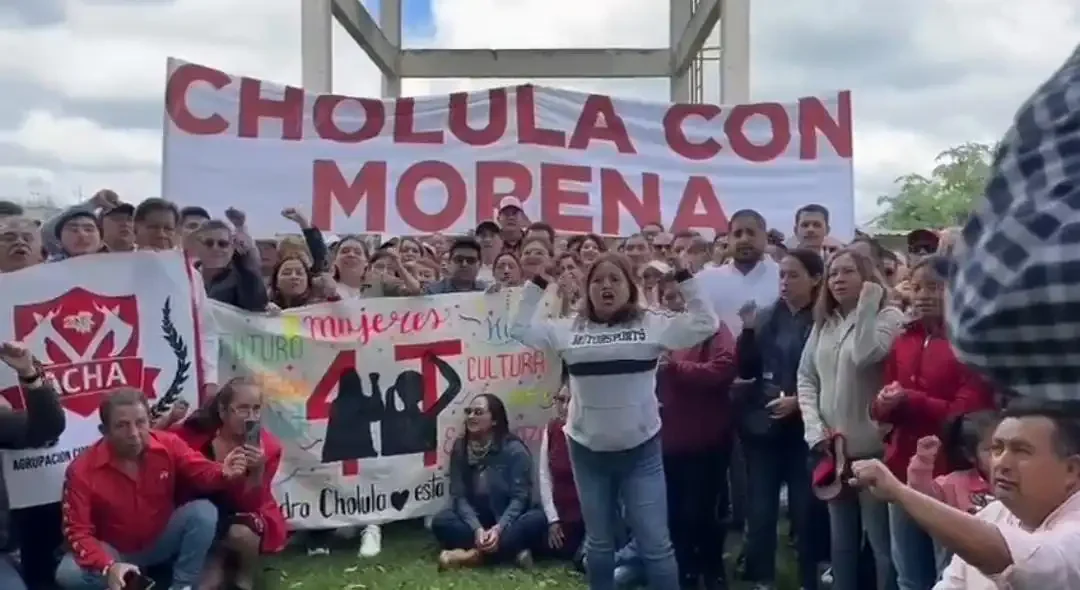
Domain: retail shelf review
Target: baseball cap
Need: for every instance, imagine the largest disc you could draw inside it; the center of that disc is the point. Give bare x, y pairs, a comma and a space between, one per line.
659, 266
121, 208
487, 226
69, 216
514, 202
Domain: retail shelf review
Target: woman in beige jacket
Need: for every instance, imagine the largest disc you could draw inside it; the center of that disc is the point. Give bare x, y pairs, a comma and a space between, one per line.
839, 375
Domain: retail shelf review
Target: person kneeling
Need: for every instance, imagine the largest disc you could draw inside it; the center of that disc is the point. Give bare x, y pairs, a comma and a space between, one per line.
120, 515
250, 523
491, 516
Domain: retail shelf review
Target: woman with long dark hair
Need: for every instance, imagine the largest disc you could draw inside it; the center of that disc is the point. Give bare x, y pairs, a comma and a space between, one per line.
612, 349
491, 517
293, 283
925, 387
250, 522
770, 426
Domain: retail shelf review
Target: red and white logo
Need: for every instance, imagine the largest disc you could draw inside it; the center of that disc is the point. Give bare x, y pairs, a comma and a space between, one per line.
88, 343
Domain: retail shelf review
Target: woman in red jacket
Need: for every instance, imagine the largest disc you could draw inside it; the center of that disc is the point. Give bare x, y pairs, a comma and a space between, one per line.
696, 437
925, 386
250, 523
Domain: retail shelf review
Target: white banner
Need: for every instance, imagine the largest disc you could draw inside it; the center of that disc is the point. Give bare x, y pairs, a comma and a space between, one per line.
96, 323
580, 162
367, 396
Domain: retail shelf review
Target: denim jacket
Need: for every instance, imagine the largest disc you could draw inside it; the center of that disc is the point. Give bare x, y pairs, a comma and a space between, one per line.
509, 482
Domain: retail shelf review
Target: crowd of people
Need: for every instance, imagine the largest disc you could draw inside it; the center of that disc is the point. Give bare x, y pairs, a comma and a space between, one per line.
701, 379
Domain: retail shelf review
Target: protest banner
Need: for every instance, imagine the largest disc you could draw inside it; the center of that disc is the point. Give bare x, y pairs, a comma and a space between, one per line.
368, 396
96, 323
580, 162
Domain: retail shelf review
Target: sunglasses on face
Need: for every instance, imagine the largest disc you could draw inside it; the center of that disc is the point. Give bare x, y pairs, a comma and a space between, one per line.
464, 260
561, 399
221, 244
921, 250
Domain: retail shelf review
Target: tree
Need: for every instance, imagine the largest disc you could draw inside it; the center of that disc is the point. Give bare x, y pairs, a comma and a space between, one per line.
943, 199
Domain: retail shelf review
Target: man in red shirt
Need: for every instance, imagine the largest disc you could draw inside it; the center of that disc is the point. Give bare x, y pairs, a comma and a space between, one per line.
119, 506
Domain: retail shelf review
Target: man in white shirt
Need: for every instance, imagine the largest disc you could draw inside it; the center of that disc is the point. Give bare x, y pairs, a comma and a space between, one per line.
1028, 537
750, 276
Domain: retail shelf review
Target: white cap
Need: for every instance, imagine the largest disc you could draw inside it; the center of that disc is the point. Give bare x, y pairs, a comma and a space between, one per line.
511, 202
660, 266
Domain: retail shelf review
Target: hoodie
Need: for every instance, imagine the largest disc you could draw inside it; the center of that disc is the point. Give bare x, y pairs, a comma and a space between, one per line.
938, 387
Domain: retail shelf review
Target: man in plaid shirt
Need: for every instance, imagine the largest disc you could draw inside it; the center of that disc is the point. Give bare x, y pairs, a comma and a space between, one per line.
1014, 298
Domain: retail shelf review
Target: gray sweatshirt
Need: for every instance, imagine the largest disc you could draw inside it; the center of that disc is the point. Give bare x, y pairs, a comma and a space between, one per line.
840, 373
613, 368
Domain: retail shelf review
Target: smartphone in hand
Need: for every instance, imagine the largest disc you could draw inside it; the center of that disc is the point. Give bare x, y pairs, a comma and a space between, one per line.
252, 433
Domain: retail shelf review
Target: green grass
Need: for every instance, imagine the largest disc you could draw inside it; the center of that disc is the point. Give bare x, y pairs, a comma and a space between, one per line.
408, 562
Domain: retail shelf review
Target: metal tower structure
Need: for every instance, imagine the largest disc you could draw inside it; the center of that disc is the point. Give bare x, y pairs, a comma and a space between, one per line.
682, 62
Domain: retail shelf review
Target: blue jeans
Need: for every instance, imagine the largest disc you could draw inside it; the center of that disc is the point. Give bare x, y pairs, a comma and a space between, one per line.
527, 531
636, 477
771, 463
629, 569
184, 543
851, 515
912, 552
10, 579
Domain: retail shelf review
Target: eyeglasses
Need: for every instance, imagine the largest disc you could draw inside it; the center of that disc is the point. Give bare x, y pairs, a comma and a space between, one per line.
465, 260
221, 244
475, 411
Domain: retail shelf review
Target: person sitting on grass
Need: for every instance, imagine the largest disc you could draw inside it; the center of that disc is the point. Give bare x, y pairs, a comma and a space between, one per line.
491, 517
250, 523
558, 494
121, 514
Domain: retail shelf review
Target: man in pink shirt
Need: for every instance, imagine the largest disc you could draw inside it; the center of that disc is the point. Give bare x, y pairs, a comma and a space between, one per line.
1028, 537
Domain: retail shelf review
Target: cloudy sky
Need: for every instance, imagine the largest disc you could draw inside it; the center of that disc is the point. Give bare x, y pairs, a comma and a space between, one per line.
83, 80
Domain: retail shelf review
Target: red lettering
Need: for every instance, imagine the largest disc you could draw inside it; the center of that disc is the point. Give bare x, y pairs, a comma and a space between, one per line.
814, 116
176, 105
318, 403
617, 195
429, 372
600, 122
405, 122
327, 128
676, 138
409, 187
529, 133
699, 190
254, 107
329, 187
489, 193
370, 325
554, 196
497, 118
741, 116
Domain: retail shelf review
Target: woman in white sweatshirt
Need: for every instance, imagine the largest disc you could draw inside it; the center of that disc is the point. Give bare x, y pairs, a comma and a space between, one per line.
611, 351
839, 375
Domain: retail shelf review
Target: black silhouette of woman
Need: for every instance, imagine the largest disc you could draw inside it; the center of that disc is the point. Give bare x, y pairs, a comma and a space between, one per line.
412, 429
348, 430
